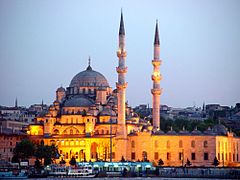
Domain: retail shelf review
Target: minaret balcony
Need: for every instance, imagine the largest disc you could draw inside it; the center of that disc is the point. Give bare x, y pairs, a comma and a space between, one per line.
121, 86
156, 77
121, 70
121, 53
156, 62
156, 91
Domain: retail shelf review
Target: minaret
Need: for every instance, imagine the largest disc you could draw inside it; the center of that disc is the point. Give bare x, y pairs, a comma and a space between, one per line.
121, 87
156, 77
16, 102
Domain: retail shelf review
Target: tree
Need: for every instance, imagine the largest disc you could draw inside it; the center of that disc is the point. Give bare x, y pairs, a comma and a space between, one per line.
15, 159
188, 162
215, 162
48, 153
73, 161
62, 161
160, 162
37, 164
24, 149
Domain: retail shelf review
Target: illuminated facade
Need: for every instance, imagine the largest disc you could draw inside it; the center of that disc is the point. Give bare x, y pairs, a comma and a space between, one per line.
90, 121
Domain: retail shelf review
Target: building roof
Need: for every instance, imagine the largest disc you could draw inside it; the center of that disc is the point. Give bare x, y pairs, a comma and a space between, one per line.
78, 101
89, 77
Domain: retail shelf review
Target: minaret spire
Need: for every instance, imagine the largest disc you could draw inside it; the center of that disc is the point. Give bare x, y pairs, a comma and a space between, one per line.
121, 87
89, 63
156, 38
156, 77
121, 29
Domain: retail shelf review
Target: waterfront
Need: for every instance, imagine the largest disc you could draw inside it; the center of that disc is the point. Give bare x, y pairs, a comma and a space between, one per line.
135, 178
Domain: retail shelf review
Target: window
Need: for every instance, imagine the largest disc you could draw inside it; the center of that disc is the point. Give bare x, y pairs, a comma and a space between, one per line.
205, 144
156, 144
71, 131
144, 156
113, 155
233, 157
205, 156
180, 156
156, 155
168, 144
193, 156
133, 144
193, 144
219, 156
133, 156
180, 144
168, 156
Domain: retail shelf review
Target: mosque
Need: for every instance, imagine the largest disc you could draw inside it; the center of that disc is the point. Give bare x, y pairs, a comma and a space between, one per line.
91, 121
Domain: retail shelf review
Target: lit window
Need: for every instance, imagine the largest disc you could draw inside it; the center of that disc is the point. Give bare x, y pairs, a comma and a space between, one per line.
180, 156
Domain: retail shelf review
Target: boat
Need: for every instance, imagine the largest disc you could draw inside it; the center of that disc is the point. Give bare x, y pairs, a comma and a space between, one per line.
58, 171
81, 171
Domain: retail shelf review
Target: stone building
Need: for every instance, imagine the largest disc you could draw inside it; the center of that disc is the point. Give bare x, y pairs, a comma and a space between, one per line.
90, 121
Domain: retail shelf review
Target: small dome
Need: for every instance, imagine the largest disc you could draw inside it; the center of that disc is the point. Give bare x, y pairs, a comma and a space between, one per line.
89, 77
220, 129
78, 102
107, 112
61, 89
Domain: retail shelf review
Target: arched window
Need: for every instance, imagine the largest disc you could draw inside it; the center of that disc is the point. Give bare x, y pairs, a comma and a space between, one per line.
205, 144
133, 144
102, 131
72, 143
71, 131
56, 131
180, 144
193, 143
71, 120
83, 90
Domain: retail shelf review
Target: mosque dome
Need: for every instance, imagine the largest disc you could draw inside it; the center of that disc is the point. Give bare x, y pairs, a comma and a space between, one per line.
78, 102
89, 77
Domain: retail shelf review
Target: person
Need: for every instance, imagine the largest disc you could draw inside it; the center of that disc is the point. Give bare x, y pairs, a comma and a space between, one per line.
124, 172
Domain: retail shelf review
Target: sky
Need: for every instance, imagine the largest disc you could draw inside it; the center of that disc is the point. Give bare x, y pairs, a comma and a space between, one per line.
43, 44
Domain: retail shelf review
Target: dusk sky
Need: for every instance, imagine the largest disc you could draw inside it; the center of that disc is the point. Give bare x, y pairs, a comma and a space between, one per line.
43, 44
